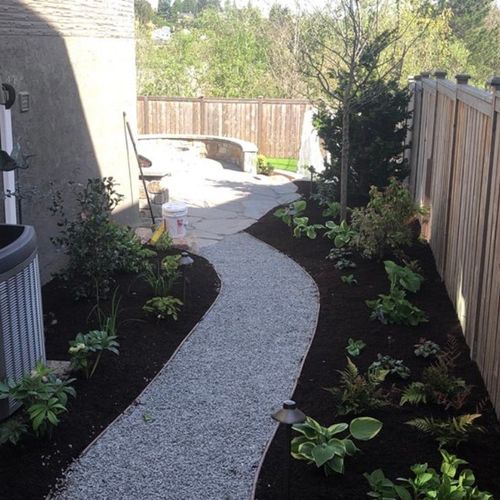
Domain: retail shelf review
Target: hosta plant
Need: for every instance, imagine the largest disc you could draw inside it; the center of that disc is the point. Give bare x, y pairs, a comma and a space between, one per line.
343, 264
332, 209
287, 214
426, 348
86, 350
448, 484
393, 366
302, 227
402, 277
324, 446
163, 307
341, 234
354, 347
394, 308
43, 395
356, 393
449, 431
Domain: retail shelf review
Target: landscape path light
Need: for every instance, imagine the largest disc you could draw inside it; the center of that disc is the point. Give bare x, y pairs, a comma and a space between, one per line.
184, 262
288, 415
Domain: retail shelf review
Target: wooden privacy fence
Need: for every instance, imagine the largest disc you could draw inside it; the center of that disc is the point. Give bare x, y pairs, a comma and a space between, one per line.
275, 125
455, 171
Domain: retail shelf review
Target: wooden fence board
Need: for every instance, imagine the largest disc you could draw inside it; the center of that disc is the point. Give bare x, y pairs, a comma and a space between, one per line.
275, 125
455, 171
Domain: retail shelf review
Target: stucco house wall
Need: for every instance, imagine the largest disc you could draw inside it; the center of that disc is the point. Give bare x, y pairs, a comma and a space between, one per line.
76, 59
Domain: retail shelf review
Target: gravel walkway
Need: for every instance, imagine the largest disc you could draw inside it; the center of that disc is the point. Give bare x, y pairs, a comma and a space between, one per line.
200, 428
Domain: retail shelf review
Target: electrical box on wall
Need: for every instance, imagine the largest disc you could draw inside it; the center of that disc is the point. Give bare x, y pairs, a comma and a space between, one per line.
24, 101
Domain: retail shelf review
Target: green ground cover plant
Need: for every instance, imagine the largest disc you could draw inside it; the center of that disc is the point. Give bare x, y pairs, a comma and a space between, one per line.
43, 396
449, 431
323, 447
448, 484
163, 307
86, 350
356, 392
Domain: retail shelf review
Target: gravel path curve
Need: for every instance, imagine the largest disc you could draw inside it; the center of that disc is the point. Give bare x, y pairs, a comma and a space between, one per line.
201, 427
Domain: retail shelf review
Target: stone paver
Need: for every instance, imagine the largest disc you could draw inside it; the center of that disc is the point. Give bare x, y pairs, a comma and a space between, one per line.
222, 200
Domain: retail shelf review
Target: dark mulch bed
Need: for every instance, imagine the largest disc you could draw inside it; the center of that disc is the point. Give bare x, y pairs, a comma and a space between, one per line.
29, 470
343, 314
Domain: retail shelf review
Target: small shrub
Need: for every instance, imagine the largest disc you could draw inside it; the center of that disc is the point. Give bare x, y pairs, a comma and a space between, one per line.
393, 366
319, 445
357, 393
165, 241
12, 431
87, 349
349, 279
450, 431
97, 246
427, 483
402, 277
396, 309
263, 166
426, 348
383, 225
43, 396
163, 307
161, 277
354, 347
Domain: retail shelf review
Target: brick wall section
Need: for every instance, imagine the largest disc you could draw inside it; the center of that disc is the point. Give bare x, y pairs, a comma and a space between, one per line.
92, 18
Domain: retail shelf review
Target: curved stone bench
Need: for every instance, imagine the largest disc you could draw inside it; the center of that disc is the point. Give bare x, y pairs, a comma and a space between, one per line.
241, 153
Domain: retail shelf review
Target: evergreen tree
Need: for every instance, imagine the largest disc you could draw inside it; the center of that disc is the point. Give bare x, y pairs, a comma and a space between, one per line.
165, 9
376, 137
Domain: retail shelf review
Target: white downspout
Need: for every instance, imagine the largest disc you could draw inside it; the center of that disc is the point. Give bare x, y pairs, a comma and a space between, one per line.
9, 178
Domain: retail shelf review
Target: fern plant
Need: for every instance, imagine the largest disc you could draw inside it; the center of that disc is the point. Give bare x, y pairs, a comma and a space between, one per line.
449, 431
438, 385
357, 393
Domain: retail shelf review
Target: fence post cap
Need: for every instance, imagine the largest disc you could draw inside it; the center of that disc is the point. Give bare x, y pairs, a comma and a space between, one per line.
425, 74
494, 81
440, 75
417, 78
462, 78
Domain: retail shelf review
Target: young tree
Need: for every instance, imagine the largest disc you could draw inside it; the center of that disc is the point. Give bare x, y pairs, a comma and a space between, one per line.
346, 45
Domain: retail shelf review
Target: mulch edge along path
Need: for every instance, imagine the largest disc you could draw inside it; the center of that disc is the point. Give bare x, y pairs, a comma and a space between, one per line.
33, 467
343, 314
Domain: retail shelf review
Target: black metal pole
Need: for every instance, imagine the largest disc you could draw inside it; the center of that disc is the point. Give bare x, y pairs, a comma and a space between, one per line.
288, 450
140, 167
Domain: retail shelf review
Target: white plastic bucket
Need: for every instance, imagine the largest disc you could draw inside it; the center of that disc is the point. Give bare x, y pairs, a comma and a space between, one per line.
174, 215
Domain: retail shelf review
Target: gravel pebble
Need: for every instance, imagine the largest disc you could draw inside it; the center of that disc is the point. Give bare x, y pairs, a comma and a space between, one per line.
202, 425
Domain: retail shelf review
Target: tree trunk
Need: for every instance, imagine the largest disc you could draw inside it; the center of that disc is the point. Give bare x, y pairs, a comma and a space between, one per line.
344, 158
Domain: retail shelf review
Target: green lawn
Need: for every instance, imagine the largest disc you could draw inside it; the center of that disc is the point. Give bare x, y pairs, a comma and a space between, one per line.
283, 163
